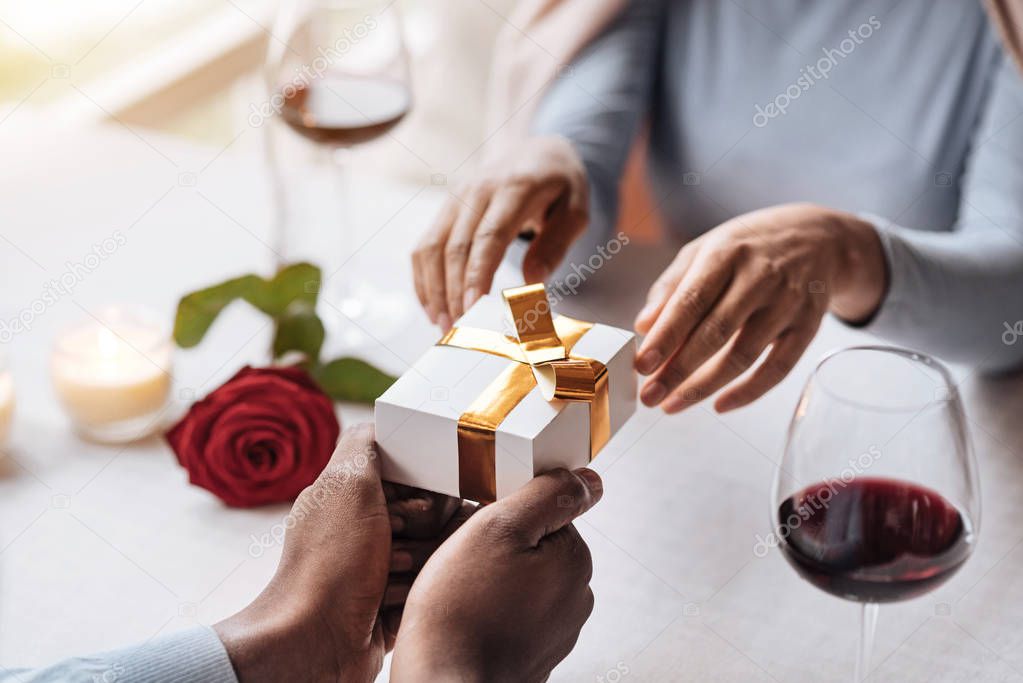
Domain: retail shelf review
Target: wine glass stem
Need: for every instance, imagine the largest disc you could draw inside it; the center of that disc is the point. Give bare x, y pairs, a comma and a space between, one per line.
339, 163
868, 624
279, 226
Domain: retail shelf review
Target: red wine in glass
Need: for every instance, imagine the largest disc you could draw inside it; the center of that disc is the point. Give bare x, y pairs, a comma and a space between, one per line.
873, 539
344, 110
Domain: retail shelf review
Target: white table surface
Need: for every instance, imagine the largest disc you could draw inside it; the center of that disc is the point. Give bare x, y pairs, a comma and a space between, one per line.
101, 546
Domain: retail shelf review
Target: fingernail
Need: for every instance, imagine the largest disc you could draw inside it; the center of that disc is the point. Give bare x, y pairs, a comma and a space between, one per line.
674, 404
469, 298
653, 393
444, 321
401, 561
648, 361
646, 311
397, 523
591, 479
423, 504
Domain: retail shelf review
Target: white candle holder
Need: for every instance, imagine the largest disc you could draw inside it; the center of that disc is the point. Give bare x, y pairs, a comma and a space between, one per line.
112, 374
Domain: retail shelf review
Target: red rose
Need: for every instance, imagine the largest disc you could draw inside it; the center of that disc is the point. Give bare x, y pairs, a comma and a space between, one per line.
260, 438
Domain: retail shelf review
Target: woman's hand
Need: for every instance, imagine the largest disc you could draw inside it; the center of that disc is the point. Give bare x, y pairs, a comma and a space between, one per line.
765, 278
420, 522
542, 185
504, 598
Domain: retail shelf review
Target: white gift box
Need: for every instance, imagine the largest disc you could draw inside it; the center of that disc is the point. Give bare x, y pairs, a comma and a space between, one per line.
417, 418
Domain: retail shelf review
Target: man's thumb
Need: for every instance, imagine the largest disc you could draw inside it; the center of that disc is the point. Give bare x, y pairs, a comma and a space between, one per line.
549, 502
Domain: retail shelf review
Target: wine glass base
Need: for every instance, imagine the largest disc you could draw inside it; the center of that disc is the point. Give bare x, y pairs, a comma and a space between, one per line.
362, 316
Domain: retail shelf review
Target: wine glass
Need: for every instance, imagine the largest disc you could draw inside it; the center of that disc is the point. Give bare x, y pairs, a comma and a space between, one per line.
338, 76
876, 498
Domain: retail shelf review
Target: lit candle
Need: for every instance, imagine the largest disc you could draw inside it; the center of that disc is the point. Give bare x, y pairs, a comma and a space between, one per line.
112, 374
6, 402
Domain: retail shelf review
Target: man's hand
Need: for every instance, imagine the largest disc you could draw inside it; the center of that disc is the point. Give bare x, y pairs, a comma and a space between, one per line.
504, 598
763, 279
331, 609
542, 186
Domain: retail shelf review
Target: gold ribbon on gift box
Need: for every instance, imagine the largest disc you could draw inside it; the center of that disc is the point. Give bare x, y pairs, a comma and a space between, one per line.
542, 356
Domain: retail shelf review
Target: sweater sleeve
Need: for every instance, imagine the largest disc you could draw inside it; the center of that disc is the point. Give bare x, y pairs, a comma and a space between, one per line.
959, 294
192, 655
599, 102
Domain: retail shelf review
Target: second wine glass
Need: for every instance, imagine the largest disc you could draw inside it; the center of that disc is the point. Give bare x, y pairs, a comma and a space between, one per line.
337, 72
876, 498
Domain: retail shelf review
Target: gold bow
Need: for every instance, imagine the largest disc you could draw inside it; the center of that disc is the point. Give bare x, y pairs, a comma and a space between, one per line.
542, 356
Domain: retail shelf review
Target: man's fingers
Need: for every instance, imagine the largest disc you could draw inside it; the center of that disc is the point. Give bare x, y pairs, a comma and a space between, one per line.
731, 361
546, 504
356, 452
350, 482
470, 221
784, 355
696, 295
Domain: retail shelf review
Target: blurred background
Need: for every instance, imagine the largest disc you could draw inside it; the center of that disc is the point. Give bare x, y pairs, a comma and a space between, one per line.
192, 68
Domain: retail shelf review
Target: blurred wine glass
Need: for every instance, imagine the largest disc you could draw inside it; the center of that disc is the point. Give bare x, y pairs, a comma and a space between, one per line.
876, 498
338, 76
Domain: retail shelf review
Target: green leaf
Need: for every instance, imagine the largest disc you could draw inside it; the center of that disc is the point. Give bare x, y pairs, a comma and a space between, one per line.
299, 329
299, 282
350, 379
197, 311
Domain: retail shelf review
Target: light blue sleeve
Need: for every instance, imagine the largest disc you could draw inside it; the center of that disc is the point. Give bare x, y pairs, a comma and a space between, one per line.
959, 295
599, 102
186, 657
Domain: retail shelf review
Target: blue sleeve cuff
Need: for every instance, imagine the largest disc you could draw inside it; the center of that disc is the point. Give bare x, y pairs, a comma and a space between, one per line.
193, 655
891, 314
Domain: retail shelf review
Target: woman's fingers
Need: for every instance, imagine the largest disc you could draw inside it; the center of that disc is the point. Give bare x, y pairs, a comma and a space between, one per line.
428, 262
696, 295
663, 288
390, 622
471, 220
422, 515
509, 211
568, 214
744, 295
785, 353
456, 261
732, 360
396, 592
409, 556
708, 337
